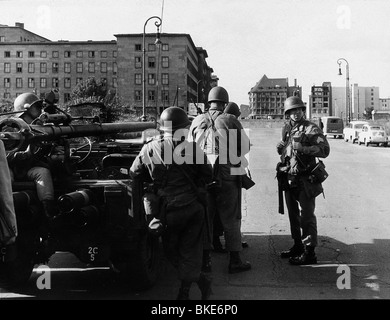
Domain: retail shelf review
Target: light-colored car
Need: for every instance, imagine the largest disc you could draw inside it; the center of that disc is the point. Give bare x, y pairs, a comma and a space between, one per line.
373, 134
352, 129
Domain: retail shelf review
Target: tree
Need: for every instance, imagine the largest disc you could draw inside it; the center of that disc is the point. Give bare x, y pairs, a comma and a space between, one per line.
96, 92
367, 114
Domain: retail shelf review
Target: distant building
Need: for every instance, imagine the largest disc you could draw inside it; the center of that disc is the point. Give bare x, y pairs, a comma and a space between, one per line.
176, 73
320, 101
245, 111
384, 104
266, 98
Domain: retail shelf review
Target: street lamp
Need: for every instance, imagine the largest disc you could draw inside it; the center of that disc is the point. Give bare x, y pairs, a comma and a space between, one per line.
348, 106
157, 42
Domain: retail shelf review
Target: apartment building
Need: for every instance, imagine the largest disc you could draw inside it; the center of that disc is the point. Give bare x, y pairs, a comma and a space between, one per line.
320, 101
266, 98
176, 72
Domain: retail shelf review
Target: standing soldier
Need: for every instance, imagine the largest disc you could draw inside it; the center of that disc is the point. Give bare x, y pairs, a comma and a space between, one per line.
214, 131
302, 141
176, 183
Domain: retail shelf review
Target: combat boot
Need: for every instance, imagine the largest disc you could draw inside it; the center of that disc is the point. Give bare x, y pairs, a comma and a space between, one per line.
204, 284
296, 250
307, 257
236, 265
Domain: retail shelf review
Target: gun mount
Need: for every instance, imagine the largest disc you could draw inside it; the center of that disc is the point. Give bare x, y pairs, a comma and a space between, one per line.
100, 217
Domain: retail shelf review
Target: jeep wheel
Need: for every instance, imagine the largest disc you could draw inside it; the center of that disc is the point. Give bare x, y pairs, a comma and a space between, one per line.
139, 269
18, 269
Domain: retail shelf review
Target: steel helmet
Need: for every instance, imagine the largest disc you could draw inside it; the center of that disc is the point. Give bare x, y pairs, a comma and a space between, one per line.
232, 108
293, 102
28, 103
173, 118
218, 94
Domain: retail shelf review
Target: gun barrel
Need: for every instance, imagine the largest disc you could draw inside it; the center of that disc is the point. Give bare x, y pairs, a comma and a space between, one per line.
53, 132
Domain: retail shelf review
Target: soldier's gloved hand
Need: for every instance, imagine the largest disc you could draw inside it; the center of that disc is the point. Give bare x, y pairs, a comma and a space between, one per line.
280, 146
297, 146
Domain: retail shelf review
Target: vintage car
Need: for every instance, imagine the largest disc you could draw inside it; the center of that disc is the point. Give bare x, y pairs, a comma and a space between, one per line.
373, 134
352, 129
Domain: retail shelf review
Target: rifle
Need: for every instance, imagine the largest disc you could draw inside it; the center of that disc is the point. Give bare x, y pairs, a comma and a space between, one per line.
281, 177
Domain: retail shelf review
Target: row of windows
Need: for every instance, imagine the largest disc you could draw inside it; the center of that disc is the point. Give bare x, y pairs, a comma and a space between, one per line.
152, 78
43, 82
55, 67
80, 53
151, 62
151, 95
67, 54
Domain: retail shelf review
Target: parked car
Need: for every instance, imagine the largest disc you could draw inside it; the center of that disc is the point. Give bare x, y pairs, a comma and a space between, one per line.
373, 134
333, 126
352, 129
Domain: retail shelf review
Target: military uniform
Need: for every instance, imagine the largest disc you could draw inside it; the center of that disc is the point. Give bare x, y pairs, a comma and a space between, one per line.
300, 192
184, 214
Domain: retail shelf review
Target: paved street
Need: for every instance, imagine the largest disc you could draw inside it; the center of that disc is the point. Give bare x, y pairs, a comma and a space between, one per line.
353, 226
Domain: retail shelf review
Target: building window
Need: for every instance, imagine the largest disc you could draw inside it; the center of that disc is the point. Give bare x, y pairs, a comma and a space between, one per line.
137, 95
165, 62
54, 82
138, 78
151, 95
103, 81
114, 82
67, 54
114, 54
43, 67
67, 83
165, 47
19, 83
31, 54
165, 78
19, 67
67, 67
55, 54
79, 54
151, 78
103, 54
66, 96
7, 67
91, 54
151, 62
138, 62
79, 67
43, 82
31, 83
79, 80
55, 67
31, 67
19, 54
7, 54
138, 47
103, 67
114, 68
165, 96
2, 38
43, 54
7, 95
7, 83
91, 67
151, 47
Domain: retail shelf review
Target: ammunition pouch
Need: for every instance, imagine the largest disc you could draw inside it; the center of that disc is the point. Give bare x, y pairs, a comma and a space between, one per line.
318, 173
282, 176
312, 189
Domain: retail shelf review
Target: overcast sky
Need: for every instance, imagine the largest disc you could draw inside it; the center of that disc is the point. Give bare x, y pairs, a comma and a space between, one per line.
244, 39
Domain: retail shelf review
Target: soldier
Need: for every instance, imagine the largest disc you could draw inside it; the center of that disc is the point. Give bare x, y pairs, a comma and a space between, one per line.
8, 226
182, 212
31, 162
302, 141
224, 194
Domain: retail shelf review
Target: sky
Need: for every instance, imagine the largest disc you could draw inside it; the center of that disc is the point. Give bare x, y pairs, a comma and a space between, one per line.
244, 39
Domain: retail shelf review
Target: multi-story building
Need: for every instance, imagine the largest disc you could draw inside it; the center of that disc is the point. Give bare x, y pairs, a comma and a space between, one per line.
266, 98
384, 104
176, 72
320, 101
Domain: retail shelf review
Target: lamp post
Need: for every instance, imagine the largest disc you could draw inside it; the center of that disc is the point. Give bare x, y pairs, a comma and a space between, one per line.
158, 41
348, 105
